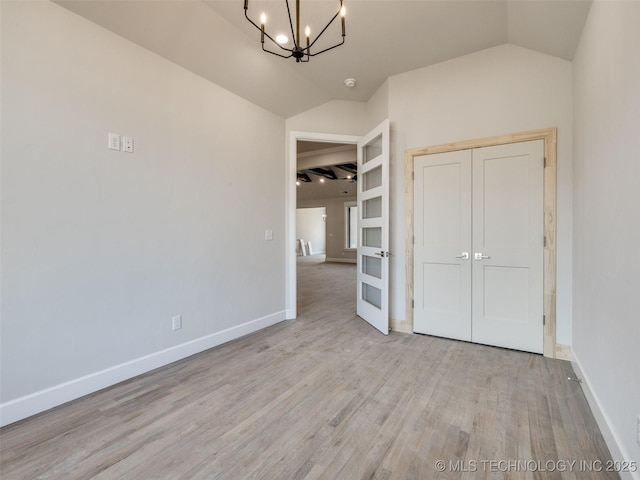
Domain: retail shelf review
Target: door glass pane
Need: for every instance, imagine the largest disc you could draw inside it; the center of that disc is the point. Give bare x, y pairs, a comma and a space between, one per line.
351, 220
372, 295
372, 179
372, 208
372, 237
372, 266
372, 149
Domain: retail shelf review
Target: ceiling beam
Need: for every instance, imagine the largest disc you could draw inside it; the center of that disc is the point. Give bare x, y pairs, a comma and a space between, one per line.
324, 172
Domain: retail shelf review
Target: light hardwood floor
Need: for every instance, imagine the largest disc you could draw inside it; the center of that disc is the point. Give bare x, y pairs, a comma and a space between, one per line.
325, 396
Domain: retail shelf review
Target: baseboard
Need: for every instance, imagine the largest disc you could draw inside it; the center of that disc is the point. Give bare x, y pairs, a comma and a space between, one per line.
617, 450
43, 400
564, 352
341, 260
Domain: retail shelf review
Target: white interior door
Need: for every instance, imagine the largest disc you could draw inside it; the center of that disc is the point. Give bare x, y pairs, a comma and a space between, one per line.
487, 203
442, 244
508, 242
373, 228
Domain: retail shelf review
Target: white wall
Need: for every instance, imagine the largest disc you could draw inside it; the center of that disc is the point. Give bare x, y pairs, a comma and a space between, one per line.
606, 325
311, 227
101, 248
501, 90
339, 117
378, 106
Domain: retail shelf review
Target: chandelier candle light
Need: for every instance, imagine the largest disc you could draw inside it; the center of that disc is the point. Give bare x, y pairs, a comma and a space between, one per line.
300, 53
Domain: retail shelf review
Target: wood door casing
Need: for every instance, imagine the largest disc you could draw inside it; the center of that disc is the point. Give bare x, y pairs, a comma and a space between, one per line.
549, 136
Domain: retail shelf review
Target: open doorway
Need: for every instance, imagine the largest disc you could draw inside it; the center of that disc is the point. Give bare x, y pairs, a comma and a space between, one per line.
326, 189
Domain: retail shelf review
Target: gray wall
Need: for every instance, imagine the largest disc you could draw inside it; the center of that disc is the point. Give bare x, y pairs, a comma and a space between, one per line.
101, 248
606, 325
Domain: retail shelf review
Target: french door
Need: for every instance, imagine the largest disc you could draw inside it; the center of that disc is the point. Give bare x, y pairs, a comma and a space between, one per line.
372, 303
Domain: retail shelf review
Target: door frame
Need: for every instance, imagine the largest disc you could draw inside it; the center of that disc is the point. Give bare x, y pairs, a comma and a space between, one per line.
549, 136
290, 209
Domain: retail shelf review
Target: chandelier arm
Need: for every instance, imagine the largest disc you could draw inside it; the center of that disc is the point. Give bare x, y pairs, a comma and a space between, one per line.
325, 50
277, 54
324, 29
251, 21
293, 35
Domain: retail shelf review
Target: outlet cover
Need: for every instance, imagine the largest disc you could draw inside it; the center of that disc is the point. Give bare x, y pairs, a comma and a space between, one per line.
177, 322
638, 431
114, 141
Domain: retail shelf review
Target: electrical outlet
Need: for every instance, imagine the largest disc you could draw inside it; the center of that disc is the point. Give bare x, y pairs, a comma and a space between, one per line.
177, 322
638, 431
114, 141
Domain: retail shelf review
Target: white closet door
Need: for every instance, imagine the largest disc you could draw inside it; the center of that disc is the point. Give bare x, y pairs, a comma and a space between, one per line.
508, 242
487, 203
442, 265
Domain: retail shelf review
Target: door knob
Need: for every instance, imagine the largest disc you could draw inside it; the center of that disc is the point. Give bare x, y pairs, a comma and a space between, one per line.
382, 254
463, 256
480, 256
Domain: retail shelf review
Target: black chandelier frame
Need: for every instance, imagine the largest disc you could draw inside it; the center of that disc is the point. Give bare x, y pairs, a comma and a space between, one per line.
300, 53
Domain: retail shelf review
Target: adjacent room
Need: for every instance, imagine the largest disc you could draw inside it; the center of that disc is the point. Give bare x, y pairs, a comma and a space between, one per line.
406, 251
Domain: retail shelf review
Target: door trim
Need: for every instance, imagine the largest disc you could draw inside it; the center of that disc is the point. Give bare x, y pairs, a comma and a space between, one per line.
549, 136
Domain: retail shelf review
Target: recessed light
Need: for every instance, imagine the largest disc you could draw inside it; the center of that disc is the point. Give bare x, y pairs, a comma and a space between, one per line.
322, 180
282, 39
298, 183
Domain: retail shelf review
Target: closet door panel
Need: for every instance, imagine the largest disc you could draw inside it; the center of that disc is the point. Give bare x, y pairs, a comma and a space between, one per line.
442, 271
507, 272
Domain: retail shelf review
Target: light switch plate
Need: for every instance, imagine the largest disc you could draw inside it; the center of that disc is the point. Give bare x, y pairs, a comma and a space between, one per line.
127, 144
268, 234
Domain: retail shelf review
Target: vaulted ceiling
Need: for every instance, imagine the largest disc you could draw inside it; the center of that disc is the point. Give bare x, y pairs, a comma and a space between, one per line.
384, 37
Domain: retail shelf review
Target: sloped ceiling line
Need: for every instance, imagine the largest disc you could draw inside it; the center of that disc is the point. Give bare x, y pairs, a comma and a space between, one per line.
384, 37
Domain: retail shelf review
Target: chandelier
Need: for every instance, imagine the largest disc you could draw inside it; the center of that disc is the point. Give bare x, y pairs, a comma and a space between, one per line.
298, 51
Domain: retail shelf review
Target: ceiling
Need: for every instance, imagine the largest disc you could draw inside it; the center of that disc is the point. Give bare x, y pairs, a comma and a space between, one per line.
384, 37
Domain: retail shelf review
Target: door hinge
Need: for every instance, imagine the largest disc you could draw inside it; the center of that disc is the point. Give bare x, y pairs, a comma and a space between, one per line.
544, 162
413, 175
413, 303
544, 320
413, 239
544, 241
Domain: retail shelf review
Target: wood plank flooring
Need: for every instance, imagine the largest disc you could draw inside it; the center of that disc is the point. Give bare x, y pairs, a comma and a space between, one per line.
322, 397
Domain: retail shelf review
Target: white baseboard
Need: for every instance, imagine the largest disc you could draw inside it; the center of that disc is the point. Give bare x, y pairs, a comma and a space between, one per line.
617, 450
341, 260
38, 402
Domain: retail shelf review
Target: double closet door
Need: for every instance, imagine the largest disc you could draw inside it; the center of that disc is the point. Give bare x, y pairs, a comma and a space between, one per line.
478, 254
